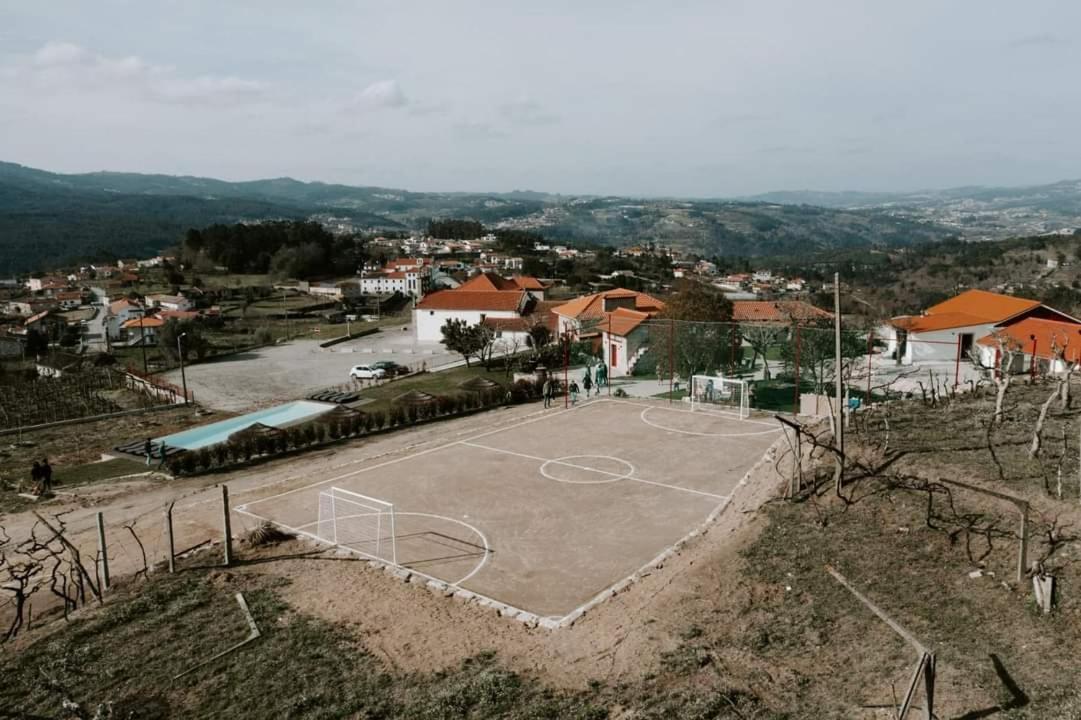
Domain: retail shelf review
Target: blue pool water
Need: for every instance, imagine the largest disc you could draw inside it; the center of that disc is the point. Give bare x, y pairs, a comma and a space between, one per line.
214, 433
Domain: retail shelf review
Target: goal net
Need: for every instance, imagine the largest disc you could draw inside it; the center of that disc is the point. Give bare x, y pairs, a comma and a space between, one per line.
359, 523
720, 394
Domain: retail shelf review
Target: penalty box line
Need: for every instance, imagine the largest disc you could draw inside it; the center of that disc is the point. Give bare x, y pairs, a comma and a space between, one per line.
621, 476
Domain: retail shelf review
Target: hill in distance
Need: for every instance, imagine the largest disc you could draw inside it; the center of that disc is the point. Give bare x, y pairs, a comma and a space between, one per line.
47, 219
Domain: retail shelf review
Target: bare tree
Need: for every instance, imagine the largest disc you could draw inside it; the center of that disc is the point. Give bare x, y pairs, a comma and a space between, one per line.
761, 338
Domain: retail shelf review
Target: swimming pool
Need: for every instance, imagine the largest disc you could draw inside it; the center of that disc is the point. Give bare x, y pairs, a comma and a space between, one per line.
214, 433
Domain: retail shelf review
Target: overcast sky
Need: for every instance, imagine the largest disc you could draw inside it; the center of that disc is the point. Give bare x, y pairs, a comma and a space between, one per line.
712, 98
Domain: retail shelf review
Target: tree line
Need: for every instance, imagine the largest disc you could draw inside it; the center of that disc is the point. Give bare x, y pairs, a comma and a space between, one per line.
287, 248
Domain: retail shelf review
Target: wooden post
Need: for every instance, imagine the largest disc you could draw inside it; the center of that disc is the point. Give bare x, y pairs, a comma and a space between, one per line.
169, 534
929, 687
103, 551
839, 430
1022, 556
672, 359
226, 525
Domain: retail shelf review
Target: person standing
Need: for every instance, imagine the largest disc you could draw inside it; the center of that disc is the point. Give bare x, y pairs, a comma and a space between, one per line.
46, 477
35, 478
574, 392
587, 383
148, 450
162, 453
546, 390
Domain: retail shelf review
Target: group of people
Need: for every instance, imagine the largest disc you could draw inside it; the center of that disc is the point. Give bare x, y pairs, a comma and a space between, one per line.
41, 477
593, 378
148, 450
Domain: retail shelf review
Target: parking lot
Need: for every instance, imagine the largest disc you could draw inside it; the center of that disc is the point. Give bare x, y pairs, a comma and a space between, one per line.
299, 367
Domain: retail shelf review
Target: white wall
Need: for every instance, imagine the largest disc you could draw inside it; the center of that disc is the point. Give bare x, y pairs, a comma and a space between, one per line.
427, 324
941, 344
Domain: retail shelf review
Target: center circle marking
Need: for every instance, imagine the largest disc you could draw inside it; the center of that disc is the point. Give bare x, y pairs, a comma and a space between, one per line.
568, 461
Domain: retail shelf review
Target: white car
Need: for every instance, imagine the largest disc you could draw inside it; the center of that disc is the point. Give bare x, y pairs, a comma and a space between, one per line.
367, 372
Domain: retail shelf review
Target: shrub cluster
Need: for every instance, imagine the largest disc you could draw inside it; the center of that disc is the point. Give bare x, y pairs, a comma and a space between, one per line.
242, 449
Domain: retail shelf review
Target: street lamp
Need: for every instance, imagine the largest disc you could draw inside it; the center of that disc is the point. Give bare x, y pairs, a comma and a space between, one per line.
180, 354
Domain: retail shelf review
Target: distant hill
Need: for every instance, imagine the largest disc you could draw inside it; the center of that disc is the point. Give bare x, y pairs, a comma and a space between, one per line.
48, 218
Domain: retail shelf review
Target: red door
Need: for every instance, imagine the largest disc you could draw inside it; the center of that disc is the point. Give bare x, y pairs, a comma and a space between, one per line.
615, 355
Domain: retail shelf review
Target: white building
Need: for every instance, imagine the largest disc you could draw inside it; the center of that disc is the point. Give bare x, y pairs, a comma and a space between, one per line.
120, 312
413, 283
169, 302
431, 313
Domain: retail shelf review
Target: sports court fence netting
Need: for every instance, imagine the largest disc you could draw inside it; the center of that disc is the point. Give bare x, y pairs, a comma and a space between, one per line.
753, 366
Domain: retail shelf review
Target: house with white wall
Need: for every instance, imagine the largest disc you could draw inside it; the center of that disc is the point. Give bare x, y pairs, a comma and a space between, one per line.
951, 328
120, 313
1034, 344
170, 302
472, 307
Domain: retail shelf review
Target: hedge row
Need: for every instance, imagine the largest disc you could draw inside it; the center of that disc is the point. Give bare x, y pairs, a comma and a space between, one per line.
316, 433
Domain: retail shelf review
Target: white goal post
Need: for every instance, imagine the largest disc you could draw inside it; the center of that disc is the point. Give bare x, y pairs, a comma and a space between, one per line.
717, 393
359, 523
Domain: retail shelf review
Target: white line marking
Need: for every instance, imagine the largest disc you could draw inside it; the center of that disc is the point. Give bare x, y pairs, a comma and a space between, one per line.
682, 410
602, 472
666, 428
363, 554
409, 457
483, 539
613, 477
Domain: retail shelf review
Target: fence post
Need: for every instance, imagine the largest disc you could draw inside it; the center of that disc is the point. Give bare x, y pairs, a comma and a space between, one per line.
671, 359
957, 364
1022, 556
169, 534
870, 349
226, 525
103, 551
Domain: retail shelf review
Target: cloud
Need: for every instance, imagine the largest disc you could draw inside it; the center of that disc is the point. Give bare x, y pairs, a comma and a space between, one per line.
55, 54
382, 94
472, 130
1043, 39
527, 112
66, 66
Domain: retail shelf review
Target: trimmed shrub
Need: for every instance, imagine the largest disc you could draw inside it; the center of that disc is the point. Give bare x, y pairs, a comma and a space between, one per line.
320, 432
262, 445
204, 459
335, 430
378, 419
173, 465
188, 463
236, 451
247, 447
281, 443
413, 413
221, 454
309, 434
396, 415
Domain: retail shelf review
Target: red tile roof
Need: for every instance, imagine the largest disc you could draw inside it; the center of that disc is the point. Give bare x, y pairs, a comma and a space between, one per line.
469, 300
146, 322
784, 311
622, 321
488, 282
990, 307
931, 323
592, 306
1047, 333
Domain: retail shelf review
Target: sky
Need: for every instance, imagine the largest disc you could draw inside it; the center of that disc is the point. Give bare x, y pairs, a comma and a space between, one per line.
719, 98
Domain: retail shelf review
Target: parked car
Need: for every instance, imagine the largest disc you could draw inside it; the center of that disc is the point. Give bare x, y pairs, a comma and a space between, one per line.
367, 372
390, 367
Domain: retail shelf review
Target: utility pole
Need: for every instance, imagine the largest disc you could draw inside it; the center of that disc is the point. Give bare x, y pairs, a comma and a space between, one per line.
180, 354
142, 341
838, 380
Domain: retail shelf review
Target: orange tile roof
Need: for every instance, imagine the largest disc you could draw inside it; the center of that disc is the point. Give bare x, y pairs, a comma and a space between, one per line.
527, 282
471, 300
776, 311
146, 322
622, 321
1048, 333
931, 323
592, 306
487, 282
990, 307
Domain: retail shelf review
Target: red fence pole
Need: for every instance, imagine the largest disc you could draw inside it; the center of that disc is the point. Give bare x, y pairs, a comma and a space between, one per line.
1032, 369
795, 410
